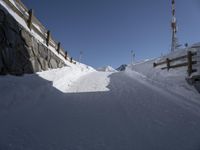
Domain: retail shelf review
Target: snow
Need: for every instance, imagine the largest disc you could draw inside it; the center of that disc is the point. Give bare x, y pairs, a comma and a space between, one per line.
64, 77
107, 69
37, 27
93, 82
73, 108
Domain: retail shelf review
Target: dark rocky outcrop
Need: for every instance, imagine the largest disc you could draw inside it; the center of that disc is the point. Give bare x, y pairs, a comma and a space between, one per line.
122, 67
20, 52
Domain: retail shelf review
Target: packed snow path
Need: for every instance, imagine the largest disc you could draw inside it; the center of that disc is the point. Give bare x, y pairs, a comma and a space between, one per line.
101, 111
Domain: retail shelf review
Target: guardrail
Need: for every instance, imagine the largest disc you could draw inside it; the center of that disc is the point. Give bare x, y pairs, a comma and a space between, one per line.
188, 61
34, 24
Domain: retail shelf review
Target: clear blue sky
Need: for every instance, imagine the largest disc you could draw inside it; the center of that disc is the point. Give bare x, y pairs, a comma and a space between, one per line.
107, 30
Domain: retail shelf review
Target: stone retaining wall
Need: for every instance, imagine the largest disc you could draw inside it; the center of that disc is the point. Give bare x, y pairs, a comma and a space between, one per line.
20, 52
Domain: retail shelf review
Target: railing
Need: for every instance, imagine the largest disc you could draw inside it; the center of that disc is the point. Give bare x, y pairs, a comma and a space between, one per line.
34, 24
186, 61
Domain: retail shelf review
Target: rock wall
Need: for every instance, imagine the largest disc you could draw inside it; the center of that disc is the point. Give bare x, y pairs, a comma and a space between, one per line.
20, 52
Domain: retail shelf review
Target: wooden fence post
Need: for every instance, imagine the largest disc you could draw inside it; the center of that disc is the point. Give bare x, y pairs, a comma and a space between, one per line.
30, 12
71, 59
66, 55
168, 63
58, 49
189, 56
48, 37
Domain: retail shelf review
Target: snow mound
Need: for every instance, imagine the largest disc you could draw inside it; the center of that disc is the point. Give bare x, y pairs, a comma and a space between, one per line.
62, 78
107, 69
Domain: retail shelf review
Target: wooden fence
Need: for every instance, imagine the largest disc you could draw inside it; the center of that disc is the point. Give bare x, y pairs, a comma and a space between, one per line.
34, 24
187, 61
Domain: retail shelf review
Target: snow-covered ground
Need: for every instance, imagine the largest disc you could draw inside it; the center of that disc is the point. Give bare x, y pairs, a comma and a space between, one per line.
93, 82
83, 109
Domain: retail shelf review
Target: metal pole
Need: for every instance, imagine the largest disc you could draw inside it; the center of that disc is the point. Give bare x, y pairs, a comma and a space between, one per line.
80, 56
132, 57
174, 44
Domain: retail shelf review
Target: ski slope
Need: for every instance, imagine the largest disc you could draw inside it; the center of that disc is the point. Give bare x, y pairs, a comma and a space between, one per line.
97, 111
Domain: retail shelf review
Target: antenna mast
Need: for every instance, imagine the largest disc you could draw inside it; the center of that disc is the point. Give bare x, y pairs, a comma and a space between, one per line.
174, 28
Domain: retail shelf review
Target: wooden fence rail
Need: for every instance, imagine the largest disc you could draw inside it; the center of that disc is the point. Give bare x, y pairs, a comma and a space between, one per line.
34, 24
189, 62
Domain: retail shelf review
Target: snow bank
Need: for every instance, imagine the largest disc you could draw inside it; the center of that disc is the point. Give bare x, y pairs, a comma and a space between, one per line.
195, 48
62, 78
173, 80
